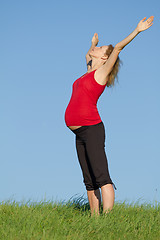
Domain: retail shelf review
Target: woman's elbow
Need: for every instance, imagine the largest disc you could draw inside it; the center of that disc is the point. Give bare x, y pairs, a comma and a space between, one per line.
118, 48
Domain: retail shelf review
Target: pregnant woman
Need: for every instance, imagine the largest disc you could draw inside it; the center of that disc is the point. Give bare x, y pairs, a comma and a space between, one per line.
83, 119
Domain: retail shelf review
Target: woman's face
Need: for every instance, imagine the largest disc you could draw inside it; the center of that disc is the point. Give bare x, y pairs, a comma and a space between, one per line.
98, 52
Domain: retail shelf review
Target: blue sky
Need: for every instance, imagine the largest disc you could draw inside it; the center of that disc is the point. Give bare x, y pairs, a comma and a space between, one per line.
43, 47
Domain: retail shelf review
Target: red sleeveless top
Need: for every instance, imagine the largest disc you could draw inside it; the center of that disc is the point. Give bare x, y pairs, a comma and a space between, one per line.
82, 108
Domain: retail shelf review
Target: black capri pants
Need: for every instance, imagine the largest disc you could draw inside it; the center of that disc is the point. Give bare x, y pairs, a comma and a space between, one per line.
90, 146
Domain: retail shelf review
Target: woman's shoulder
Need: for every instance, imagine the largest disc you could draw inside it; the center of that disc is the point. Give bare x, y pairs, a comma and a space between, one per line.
100, 77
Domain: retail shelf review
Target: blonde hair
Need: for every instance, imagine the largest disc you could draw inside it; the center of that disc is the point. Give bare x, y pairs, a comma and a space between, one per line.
114, 73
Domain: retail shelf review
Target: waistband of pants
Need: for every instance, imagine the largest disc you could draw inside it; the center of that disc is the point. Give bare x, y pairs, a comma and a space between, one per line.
78, 130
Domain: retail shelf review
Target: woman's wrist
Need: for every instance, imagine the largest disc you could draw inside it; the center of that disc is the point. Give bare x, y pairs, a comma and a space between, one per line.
93, 45
137, 30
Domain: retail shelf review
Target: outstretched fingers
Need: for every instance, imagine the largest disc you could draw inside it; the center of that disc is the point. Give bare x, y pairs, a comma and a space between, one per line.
149, 21
145, 24
143, 19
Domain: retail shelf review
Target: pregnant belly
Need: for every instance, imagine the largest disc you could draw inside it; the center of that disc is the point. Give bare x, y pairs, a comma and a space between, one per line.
75, 117
74, 127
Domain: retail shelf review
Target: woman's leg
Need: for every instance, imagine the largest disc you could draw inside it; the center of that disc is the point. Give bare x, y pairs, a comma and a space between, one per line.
95, 147
93, 162
94, 198
107, 197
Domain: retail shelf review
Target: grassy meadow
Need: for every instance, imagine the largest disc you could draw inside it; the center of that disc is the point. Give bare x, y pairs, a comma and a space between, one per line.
72, 220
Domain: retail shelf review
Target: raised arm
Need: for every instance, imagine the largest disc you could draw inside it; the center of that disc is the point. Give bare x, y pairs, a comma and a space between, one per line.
140, 27
94, 43
107, 67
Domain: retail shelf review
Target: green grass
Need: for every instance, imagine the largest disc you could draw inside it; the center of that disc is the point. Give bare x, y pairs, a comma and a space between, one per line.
72, 220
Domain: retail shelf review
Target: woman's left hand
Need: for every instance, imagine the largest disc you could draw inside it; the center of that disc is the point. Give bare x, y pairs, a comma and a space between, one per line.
95, 39
143, 25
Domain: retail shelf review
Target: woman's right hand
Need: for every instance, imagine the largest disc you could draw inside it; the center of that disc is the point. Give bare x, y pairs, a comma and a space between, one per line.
95, 39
